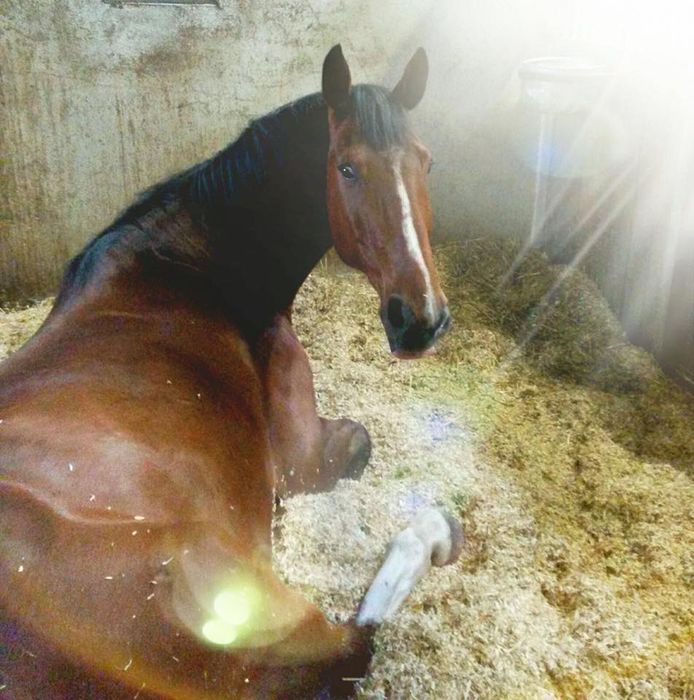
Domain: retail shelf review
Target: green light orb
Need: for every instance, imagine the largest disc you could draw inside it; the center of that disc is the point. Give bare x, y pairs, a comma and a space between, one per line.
233, 606
219, 632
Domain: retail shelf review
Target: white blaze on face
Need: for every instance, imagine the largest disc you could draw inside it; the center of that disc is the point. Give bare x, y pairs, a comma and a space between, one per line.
414, 249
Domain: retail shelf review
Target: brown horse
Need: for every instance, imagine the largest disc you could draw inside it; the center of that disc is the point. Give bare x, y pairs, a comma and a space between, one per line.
147, 428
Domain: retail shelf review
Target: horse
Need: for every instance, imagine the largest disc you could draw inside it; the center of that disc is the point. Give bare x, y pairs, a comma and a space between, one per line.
166, 402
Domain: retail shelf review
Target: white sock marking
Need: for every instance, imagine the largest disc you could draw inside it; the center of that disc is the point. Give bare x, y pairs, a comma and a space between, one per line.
412, 242
427, 540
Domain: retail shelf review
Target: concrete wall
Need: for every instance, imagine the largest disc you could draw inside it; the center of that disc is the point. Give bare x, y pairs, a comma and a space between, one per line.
100, 101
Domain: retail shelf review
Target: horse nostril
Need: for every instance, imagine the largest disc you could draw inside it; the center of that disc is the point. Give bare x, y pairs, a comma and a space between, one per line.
444, 321
396, 312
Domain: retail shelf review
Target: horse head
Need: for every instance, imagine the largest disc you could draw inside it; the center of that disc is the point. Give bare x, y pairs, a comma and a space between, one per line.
378, 204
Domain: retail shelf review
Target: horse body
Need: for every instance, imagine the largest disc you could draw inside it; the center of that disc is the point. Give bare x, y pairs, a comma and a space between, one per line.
147, 428
135, 437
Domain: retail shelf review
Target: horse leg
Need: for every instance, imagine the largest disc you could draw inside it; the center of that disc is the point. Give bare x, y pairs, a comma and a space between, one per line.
433, 537
312, 658
310, 453
147, 632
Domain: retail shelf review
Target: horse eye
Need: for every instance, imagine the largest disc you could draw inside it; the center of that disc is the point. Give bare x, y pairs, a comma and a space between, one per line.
348, 171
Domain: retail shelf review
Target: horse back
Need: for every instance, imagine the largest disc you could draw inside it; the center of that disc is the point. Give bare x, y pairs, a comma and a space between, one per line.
153, 413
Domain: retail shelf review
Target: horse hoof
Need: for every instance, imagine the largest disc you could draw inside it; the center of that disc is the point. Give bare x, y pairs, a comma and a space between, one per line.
359, 452
442, 533
348, 444
457, 538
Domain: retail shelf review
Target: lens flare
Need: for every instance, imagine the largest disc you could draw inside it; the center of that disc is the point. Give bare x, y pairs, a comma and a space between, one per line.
233, 606
219, 632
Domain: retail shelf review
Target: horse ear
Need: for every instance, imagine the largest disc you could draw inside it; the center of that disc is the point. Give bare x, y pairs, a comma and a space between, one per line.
337, 81
410, 90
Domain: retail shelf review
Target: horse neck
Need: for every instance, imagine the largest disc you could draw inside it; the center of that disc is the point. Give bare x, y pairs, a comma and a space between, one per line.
238, 233
265, 232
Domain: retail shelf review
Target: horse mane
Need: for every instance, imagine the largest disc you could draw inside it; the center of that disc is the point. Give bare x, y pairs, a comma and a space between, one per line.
381, 121
230, 175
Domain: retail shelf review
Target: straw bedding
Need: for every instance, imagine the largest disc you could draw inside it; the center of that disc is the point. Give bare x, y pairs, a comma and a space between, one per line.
564, 450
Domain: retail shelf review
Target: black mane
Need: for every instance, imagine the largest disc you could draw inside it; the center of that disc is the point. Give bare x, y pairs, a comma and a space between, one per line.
228, 175
382, 122
213, 189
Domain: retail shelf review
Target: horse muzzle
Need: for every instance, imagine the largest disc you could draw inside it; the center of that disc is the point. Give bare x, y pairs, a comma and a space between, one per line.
408, 336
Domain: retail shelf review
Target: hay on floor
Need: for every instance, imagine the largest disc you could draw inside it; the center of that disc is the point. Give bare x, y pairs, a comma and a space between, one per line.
565, 451
19, 324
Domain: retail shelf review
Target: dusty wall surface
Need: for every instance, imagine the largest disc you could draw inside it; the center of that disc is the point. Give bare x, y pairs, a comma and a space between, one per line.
100, 101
